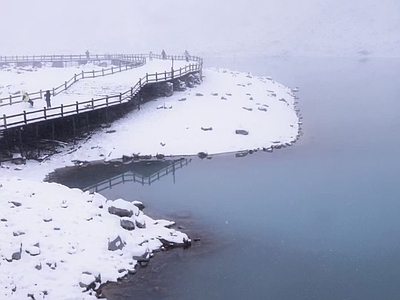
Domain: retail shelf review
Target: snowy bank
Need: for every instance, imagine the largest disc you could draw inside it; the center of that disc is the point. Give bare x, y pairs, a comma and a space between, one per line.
57, 242
230, 111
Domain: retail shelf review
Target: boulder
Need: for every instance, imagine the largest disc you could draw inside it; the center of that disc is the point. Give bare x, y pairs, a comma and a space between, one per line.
120, 212
127, 224
116, 244
241, 131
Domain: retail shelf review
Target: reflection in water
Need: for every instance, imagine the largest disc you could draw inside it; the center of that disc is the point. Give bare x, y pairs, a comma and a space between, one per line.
98, 177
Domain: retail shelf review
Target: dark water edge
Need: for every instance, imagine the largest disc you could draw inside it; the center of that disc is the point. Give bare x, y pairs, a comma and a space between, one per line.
152, 281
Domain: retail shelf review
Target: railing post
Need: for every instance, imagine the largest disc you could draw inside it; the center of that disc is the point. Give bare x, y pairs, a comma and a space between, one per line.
53, 92
65, 84
25, 116
102, 72
156, 77
77, 107
62, 110
10, 99
120, 97
5, 120
92, 103
93, 73
41, 94
112, 70
140, 83
147, 77
172, 73
83, 74
165, 74
131, 92
107, 100
44, 112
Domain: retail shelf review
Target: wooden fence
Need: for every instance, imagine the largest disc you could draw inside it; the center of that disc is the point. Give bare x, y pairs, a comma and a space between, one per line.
128, 62
24, 118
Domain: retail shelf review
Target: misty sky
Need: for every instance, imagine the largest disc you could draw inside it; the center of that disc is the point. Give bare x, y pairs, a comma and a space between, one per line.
238, 27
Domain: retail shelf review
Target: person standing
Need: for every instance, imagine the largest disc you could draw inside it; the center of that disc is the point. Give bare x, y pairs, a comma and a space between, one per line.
47, 98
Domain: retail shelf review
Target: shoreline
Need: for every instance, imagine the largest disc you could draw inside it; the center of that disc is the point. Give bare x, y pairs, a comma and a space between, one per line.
206, 104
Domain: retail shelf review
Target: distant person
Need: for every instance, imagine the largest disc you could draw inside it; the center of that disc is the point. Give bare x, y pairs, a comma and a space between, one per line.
187, 55
87, 54
151, 55
47, 98
163, 54
26, 98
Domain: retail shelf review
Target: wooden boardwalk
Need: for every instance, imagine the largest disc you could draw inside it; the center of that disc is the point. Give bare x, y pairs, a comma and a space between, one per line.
192, 64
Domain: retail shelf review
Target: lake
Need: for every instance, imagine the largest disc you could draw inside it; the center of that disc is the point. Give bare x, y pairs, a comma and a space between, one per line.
318, 220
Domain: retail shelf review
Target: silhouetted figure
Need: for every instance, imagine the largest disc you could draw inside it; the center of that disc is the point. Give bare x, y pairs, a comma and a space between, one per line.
47, 98
87, 54
26, 98
151, 55
163, 54
187, 55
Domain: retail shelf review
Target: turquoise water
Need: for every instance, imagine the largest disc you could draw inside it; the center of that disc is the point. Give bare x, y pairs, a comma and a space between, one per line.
319, 220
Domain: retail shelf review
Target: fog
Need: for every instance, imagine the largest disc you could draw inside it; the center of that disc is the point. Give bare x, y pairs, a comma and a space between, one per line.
206, 27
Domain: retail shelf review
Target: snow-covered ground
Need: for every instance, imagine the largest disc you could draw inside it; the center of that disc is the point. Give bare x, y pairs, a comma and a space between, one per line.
56, 241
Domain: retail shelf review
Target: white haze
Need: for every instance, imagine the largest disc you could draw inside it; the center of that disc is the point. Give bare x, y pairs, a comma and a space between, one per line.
206, 27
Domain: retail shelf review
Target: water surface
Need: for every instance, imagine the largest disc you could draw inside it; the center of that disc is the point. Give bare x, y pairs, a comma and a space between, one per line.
319, 220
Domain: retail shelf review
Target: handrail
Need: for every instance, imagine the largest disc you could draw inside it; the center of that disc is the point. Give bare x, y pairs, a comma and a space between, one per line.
93, 104
135, 62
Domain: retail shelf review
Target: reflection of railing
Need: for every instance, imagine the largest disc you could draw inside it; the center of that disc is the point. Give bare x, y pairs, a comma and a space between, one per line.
131, 176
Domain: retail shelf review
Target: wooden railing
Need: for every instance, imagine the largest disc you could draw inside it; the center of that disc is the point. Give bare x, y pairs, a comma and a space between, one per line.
68, 57
24, 118
128, 62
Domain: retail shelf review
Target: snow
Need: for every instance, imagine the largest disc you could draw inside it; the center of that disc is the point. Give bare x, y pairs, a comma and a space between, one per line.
57, 242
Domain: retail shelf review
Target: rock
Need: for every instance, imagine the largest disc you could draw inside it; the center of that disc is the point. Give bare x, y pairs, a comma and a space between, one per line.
214, 94
17, 204
241, 154
33, 250
199, 94
241, 131
202, 155
206, 128
17, 255
111, 131
223, 98
120, 212
116, 244
182, 99
138, 204
87, 280
160, 156
140, 223
262, 108
247, 108
127, 224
